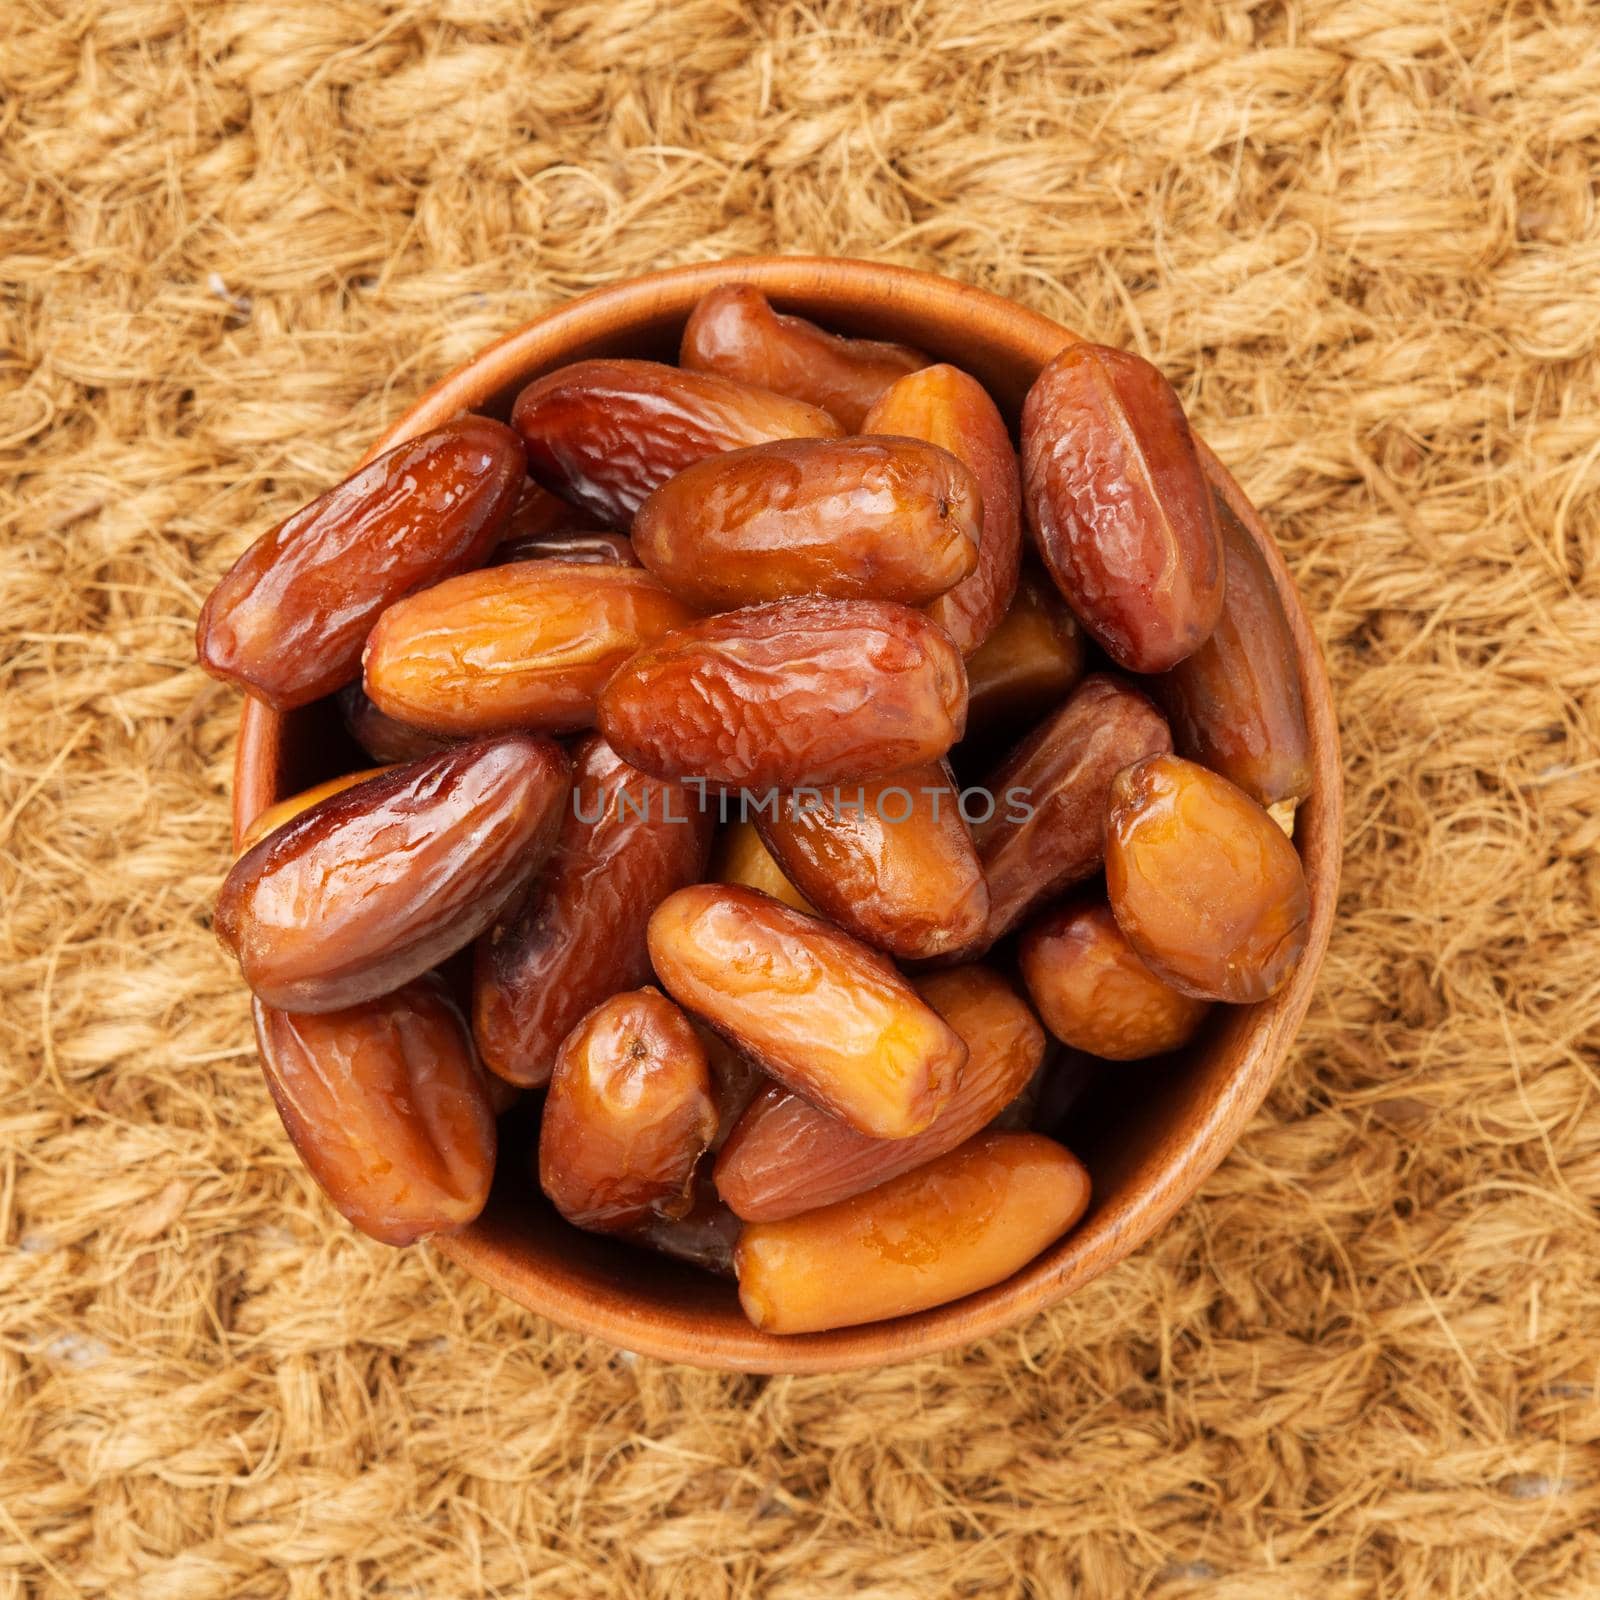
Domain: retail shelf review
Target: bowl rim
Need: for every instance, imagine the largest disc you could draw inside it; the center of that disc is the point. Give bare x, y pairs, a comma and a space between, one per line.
869, 292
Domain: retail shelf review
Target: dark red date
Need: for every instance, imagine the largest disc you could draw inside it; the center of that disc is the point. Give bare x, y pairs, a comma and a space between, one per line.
288, 620
626, 843
797, 692
736, 332
1235, 704
1119, 505
1047, 830
375, 885
605, 434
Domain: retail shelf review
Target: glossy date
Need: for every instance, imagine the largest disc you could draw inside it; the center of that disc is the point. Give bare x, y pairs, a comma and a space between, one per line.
605, 434
1094, 992
529, 645
1203, 882
1062, 773
809, 1005
1120, 507
372, 887
890, 860
735, 331
628, 1115
387, 1108
626, 842
965, 1221
854, 519
948, 408
288, 620
1235, 704
787, 1156
796, 692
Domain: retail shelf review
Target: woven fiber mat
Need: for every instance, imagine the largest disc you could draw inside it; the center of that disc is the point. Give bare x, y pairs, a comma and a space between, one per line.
1363, 239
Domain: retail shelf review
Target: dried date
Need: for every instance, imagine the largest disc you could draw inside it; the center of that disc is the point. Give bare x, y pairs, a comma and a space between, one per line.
529, 645
605, 434
626, 843
628, 1115
796, 692
1094, 992
809, 1005
948, 408
382, 737
276, 815
1235, 704
372, 887
1203, 882
1031, 661
891, 861
1119, 505
734, 331
1047, 830
288, 620
854, 519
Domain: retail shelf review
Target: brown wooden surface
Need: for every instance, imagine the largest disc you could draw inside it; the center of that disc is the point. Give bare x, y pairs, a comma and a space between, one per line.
1147, 1154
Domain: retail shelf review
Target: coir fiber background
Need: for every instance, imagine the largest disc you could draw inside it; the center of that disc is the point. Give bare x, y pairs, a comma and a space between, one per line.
1363, 239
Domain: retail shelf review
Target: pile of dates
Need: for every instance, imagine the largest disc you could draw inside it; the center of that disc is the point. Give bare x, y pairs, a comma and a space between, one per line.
751, 788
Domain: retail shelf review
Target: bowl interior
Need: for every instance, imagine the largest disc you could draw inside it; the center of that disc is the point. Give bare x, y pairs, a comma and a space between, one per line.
1149, 1133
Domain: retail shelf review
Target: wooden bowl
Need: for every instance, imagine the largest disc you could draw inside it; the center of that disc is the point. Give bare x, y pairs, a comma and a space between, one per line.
1150, 1133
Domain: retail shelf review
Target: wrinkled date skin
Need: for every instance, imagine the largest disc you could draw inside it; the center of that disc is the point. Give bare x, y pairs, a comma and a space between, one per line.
1094, 992
741, 857
288, 620
735, 332
854, 519
1062, 773
797, 692
530, 645
606, 434
1120, 507
387, 1108
381, 736
374, 886
959, 1224
946, 407
626, 842
1030, 662
587, 549
786, 1156
1203, 882
704, 1236
1235, 704
628, 1115
809, 1005
889, 860
275, 816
